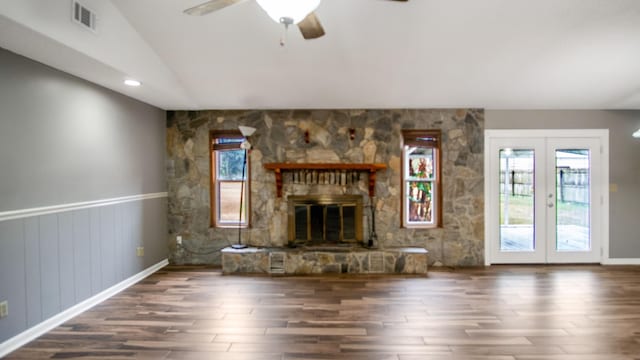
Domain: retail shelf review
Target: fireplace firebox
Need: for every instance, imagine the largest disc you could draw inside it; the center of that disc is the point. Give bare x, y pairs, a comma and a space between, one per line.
325, 219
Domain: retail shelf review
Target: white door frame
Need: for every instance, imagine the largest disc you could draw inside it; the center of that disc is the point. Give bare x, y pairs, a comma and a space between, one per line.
602, 134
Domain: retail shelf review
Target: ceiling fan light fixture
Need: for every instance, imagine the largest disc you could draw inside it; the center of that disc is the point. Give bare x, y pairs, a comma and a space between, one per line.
287, 11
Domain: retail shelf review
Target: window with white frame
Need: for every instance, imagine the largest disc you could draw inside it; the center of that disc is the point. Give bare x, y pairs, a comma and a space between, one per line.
422, 195
228, 186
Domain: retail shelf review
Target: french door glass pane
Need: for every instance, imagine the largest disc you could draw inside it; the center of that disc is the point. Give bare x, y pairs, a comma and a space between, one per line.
572, 200
517, 200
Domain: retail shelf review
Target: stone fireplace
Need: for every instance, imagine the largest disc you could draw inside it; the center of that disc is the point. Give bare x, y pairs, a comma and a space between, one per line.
319, 220
324, 143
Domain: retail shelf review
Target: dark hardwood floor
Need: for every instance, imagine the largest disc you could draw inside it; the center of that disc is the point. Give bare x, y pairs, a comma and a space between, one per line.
498, 313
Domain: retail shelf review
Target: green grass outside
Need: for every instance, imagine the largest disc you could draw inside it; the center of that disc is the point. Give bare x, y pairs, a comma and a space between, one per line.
521, 211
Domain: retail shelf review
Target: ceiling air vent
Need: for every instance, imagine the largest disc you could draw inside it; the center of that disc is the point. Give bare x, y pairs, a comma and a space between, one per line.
84, 16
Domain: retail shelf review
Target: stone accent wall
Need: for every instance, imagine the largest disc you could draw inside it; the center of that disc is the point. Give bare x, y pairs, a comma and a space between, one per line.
280, 137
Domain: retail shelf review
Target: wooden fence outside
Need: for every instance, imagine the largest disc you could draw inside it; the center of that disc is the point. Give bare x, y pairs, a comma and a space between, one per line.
572, 184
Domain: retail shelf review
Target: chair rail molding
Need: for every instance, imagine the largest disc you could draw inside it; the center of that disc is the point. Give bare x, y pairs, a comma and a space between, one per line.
38, 211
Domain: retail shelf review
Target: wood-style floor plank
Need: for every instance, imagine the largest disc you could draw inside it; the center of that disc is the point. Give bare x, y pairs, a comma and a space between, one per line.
497, 313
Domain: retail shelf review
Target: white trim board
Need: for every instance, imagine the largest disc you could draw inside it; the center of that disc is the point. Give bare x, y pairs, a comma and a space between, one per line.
621, 261
576, 133
32, 333
25, 213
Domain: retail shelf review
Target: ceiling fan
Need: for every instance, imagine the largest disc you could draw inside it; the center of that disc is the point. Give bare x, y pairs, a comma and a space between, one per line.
286, 12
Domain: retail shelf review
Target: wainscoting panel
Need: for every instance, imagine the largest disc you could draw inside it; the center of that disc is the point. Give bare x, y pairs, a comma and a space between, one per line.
51, 262
96, 258
65, 254
82, 254
49, 266
107, 248
32, 269
12, 275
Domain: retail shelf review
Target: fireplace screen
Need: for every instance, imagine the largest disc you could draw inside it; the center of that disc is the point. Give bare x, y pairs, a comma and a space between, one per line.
324, 219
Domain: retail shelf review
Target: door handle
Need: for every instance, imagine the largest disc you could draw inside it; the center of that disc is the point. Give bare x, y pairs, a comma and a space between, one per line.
550, 204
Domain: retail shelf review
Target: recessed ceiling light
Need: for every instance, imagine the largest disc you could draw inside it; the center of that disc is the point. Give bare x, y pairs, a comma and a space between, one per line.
637, 134
132, 82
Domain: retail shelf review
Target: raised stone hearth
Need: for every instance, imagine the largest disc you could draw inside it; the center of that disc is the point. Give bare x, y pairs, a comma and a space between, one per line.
324, 260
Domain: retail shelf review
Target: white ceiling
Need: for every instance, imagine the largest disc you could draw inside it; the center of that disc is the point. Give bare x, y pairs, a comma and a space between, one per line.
496, 54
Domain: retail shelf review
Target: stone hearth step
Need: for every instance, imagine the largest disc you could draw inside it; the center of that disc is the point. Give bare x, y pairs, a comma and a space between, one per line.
324, 260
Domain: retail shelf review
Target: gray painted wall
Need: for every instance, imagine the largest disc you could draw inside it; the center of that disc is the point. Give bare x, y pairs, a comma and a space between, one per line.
624, 162
64, 140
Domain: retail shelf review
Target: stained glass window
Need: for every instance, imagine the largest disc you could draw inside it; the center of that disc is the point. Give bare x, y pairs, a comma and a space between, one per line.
421, 178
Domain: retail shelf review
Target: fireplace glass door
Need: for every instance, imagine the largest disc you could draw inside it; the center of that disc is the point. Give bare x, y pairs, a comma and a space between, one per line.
325, 220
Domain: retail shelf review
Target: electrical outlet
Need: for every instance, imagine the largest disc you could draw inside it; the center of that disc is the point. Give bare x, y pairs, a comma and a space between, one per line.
140, 251
179, 240
4, 309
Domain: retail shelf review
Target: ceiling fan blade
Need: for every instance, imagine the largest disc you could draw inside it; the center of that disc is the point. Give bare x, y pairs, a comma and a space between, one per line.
310, 27
211, 6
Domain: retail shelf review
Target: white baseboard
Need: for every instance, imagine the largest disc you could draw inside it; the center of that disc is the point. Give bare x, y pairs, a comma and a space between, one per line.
32, 333
622, 261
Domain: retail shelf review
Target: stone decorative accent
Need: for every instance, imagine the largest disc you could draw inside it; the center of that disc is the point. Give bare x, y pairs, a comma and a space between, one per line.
355, 260
280, 138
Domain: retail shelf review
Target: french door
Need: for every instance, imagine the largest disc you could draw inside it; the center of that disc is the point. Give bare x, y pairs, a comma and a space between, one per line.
544, 197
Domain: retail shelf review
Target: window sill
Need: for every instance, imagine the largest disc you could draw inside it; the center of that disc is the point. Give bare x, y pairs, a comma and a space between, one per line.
228, 227
422, 227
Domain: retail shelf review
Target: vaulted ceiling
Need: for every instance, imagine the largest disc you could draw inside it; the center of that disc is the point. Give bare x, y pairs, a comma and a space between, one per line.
497, 54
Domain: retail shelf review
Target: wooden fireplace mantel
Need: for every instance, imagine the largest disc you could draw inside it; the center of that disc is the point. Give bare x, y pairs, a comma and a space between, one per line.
278, 168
